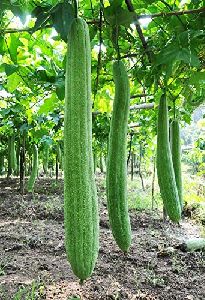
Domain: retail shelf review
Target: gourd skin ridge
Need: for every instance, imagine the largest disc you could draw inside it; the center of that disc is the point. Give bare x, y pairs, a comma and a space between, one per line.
165, 170
176, 156
80, 195
116, 178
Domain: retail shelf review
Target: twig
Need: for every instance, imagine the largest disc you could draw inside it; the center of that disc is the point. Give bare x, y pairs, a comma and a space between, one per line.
96, 22
139, 168
173, 13
153, 181
130, 147
139, 96
30, 30
99, 53
139, 30
132, 107
142, 106
91, 6
171, 9
133, 125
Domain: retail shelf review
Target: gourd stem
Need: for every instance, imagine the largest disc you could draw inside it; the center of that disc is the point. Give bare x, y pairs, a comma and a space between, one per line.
117, 44
174, 108
75, 3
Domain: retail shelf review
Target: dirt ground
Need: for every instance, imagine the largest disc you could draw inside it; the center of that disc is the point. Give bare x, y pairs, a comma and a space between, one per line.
33, 260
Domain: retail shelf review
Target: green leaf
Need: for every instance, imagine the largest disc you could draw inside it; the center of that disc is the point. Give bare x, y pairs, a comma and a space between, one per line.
115, 4
5, 111
60, 91
2, 45
197, 78
46, 140
172, 53
10, 69
13, 46
13, 81
48, 105
60, 87
41, 74
166, 56
41, 20
119, 16
93, 31
19, 8
188, 57
24, 127
62, 24
124, 17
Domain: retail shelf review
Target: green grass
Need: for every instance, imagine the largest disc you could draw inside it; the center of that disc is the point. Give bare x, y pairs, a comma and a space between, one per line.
54, 205
34, 292
142, 200
2, 272
194, 197
193, 194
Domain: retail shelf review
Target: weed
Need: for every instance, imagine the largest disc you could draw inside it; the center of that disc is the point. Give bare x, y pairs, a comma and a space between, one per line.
155, 279
2, 292
54, 205
2, 271
34, 292
142, 200
177, 265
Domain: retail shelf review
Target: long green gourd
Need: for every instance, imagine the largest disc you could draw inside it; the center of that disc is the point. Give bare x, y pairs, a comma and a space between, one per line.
13, 154
60, 157
17, 159
34, 171
80, 196
1, 163
45, 158
165, 170
176, 156
12, 166
9, 156
116, 178
59, 153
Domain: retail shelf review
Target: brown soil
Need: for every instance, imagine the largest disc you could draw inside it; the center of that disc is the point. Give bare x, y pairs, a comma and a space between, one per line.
32, 252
